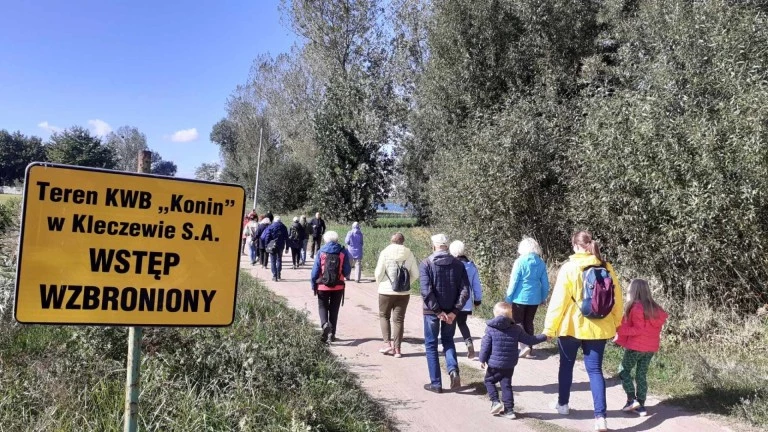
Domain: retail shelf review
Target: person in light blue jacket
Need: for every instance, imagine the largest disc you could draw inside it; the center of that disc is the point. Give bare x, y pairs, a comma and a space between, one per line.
475, 295
528, 287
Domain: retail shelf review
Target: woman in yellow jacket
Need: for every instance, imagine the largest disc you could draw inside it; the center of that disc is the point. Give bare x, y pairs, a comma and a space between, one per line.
565, 321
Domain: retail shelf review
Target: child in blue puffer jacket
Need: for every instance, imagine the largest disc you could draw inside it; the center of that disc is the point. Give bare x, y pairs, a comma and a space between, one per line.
499, 352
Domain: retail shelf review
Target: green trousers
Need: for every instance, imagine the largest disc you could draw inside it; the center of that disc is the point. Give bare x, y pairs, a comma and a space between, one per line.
633, 359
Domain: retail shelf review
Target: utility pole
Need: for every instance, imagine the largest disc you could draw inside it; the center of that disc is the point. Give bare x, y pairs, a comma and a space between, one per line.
258, 164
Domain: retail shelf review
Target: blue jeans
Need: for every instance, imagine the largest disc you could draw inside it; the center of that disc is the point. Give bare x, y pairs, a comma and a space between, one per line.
593, 361
304, 250
277, 262
433, 328
253, 250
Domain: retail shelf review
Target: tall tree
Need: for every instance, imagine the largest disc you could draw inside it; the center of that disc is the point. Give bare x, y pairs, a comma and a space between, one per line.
208, 171
162, 167
126, 142
76, 146
16, 152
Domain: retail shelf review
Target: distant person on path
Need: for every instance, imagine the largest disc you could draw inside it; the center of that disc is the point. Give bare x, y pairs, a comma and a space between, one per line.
577, 323
251, 236
640, 335
247, 218
528, 287
498, 351
444, 291
354, 242
263, 255
475, 295
329, 272
295, 239
318, 229
274, 238
396, 268
307, 234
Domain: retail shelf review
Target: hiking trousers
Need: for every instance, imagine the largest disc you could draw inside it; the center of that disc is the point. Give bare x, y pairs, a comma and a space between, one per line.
316, 243
523, 316
633, 359
328, 305
392, 306
504, 378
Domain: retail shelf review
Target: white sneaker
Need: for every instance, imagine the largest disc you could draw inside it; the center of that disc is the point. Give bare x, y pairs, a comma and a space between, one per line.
524, 352
600, 424
496, 408
561, 409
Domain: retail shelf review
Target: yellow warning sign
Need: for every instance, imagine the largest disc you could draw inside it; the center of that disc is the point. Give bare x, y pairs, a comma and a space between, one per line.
115, 248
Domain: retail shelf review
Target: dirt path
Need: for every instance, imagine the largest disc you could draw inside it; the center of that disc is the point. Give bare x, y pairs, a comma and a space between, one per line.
398, 382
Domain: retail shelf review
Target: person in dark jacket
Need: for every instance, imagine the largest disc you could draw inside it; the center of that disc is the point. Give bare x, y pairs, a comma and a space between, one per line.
278, 233
295, 239
318, 229
329, 296
444, 291
262, 253
499, 352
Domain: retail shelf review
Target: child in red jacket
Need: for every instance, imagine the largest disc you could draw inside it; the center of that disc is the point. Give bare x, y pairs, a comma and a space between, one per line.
639, 334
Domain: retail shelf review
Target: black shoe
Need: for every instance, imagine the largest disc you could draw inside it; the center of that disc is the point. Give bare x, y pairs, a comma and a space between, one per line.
326, 332
333, 338
455, 380
274, 279
279, 276
433, 389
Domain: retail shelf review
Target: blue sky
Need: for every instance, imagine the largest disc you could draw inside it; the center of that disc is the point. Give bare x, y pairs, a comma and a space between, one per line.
163, 66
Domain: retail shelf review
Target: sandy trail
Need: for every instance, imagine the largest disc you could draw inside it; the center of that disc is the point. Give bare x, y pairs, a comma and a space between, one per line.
398, 382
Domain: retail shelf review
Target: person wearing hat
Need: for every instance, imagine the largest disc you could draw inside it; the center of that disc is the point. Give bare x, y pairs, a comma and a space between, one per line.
354, 241
444, 290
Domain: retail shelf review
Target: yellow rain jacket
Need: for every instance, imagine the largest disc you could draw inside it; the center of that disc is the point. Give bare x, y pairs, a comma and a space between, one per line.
563, 315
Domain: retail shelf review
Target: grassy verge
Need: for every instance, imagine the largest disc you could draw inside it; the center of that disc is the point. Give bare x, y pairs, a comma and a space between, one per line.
267, 372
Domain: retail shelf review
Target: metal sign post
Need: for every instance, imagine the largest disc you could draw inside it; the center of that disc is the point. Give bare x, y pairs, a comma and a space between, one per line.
133, 368
258, 164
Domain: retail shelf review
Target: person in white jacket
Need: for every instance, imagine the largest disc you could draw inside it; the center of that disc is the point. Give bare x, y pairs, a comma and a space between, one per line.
395, 263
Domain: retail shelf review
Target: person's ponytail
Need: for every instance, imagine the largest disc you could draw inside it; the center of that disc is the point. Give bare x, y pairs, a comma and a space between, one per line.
584, 240
594, 249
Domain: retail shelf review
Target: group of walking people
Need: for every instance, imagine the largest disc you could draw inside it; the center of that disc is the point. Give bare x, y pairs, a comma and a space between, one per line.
586, 309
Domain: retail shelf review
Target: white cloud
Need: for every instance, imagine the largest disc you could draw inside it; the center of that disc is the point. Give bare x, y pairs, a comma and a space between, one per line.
99, 127
185, 135
49, 127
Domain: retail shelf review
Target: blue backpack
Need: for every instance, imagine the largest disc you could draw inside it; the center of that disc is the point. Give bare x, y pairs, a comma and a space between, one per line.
598, 292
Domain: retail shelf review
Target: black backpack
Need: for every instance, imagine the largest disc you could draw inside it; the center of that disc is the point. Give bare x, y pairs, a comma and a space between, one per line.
331, 270
294, 234
402, 282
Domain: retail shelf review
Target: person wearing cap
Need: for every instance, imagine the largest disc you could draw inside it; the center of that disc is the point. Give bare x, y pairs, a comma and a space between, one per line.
295, 239
274, 238
444, 290
354, 241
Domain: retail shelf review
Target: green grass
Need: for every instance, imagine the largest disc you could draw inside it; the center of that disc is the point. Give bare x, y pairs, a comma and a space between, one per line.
9, 197
267, 372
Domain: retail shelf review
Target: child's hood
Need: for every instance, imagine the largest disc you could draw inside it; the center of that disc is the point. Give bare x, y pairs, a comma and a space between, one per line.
500, 323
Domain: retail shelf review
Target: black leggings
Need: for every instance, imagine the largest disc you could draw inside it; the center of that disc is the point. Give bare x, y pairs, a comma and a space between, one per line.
523, 316
296, 254
328, 304
263, 257
461, 322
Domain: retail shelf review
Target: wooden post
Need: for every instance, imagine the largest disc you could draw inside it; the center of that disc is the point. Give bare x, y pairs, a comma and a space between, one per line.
131, 415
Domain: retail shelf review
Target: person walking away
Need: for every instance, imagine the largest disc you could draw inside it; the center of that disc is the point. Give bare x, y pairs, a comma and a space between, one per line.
444, 291
295, 238
640, 335
395, 269
498, 351
318, 229
274, 238
251, 215
528, 287
354, 242
251, 236
584, 312
263, 257
329, 272
307, 234
475, 295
